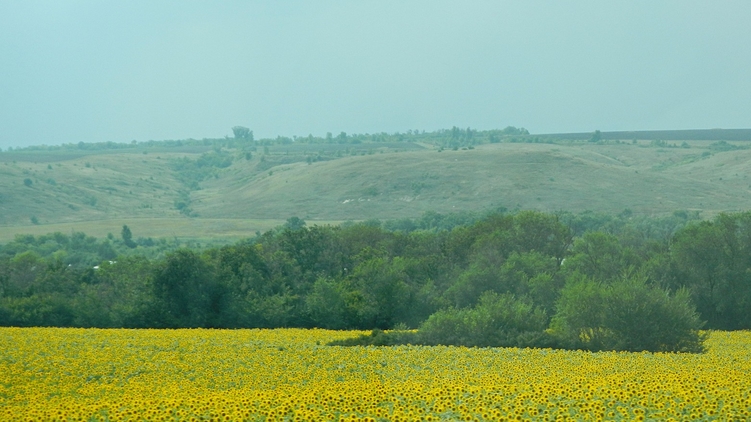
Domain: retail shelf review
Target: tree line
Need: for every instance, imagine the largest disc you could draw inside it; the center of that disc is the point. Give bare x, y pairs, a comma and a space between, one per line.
243, 138
511, 279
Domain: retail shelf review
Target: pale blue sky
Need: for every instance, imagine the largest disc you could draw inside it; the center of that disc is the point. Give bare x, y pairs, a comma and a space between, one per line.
96, 71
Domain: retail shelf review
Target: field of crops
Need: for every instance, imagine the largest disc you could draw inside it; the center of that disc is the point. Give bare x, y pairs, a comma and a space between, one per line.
89, 374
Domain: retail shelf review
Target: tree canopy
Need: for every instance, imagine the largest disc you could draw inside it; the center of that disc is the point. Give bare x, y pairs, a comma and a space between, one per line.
502, 279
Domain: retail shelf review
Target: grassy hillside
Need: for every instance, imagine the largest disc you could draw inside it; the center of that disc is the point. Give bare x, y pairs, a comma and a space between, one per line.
239, 191
528, 176
91, 187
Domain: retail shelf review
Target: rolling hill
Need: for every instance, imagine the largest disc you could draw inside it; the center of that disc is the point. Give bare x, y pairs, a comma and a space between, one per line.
98, 191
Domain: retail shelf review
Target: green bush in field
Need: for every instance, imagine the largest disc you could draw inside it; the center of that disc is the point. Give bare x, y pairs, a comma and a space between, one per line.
498, 320
627, 315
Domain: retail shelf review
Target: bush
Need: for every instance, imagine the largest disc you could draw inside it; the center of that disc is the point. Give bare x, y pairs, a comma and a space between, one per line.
627, 315
496, 321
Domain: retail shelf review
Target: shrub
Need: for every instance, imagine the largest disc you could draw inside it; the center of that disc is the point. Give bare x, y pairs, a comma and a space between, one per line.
496, 321
627, 315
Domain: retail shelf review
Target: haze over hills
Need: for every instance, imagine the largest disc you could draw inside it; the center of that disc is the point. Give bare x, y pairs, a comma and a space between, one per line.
232, 188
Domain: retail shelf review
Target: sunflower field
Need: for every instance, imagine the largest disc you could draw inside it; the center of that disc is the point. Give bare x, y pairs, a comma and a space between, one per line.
68, 374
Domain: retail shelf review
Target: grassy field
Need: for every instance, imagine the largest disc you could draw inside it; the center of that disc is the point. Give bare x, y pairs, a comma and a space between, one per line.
98, 192
289, 375
204, 228
527, 176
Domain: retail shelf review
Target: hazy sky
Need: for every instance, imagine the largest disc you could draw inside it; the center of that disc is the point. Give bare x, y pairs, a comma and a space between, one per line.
95, 71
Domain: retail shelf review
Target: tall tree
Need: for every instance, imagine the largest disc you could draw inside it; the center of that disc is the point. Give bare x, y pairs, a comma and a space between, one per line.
242, 132
127, 236
186, 291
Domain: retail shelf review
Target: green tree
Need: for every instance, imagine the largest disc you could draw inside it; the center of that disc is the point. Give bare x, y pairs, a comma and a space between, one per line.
242, 132
384, 286
528, 273
294, 223
627, 314
541, 232
186, 291
124, 291
712, 259
22, 272
581, 308
127, 236
242, 271
328, 305
597, 255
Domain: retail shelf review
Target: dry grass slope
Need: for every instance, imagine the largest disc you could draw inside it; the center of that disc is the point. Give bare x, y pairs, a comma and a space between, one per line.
548, 177
99, 192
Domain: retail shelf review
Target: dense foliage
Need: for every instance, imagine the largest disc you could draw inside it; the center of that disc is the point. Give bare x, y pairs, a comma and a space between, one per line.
525, 278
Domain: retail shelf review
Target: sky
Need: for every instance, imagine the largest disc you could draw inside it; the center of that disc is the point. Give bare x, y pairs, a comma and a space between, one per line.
94, 71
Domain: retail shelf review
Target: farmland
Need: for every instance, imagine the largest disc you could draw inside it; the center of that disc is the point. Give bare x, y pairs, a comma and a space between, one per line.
290, 374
